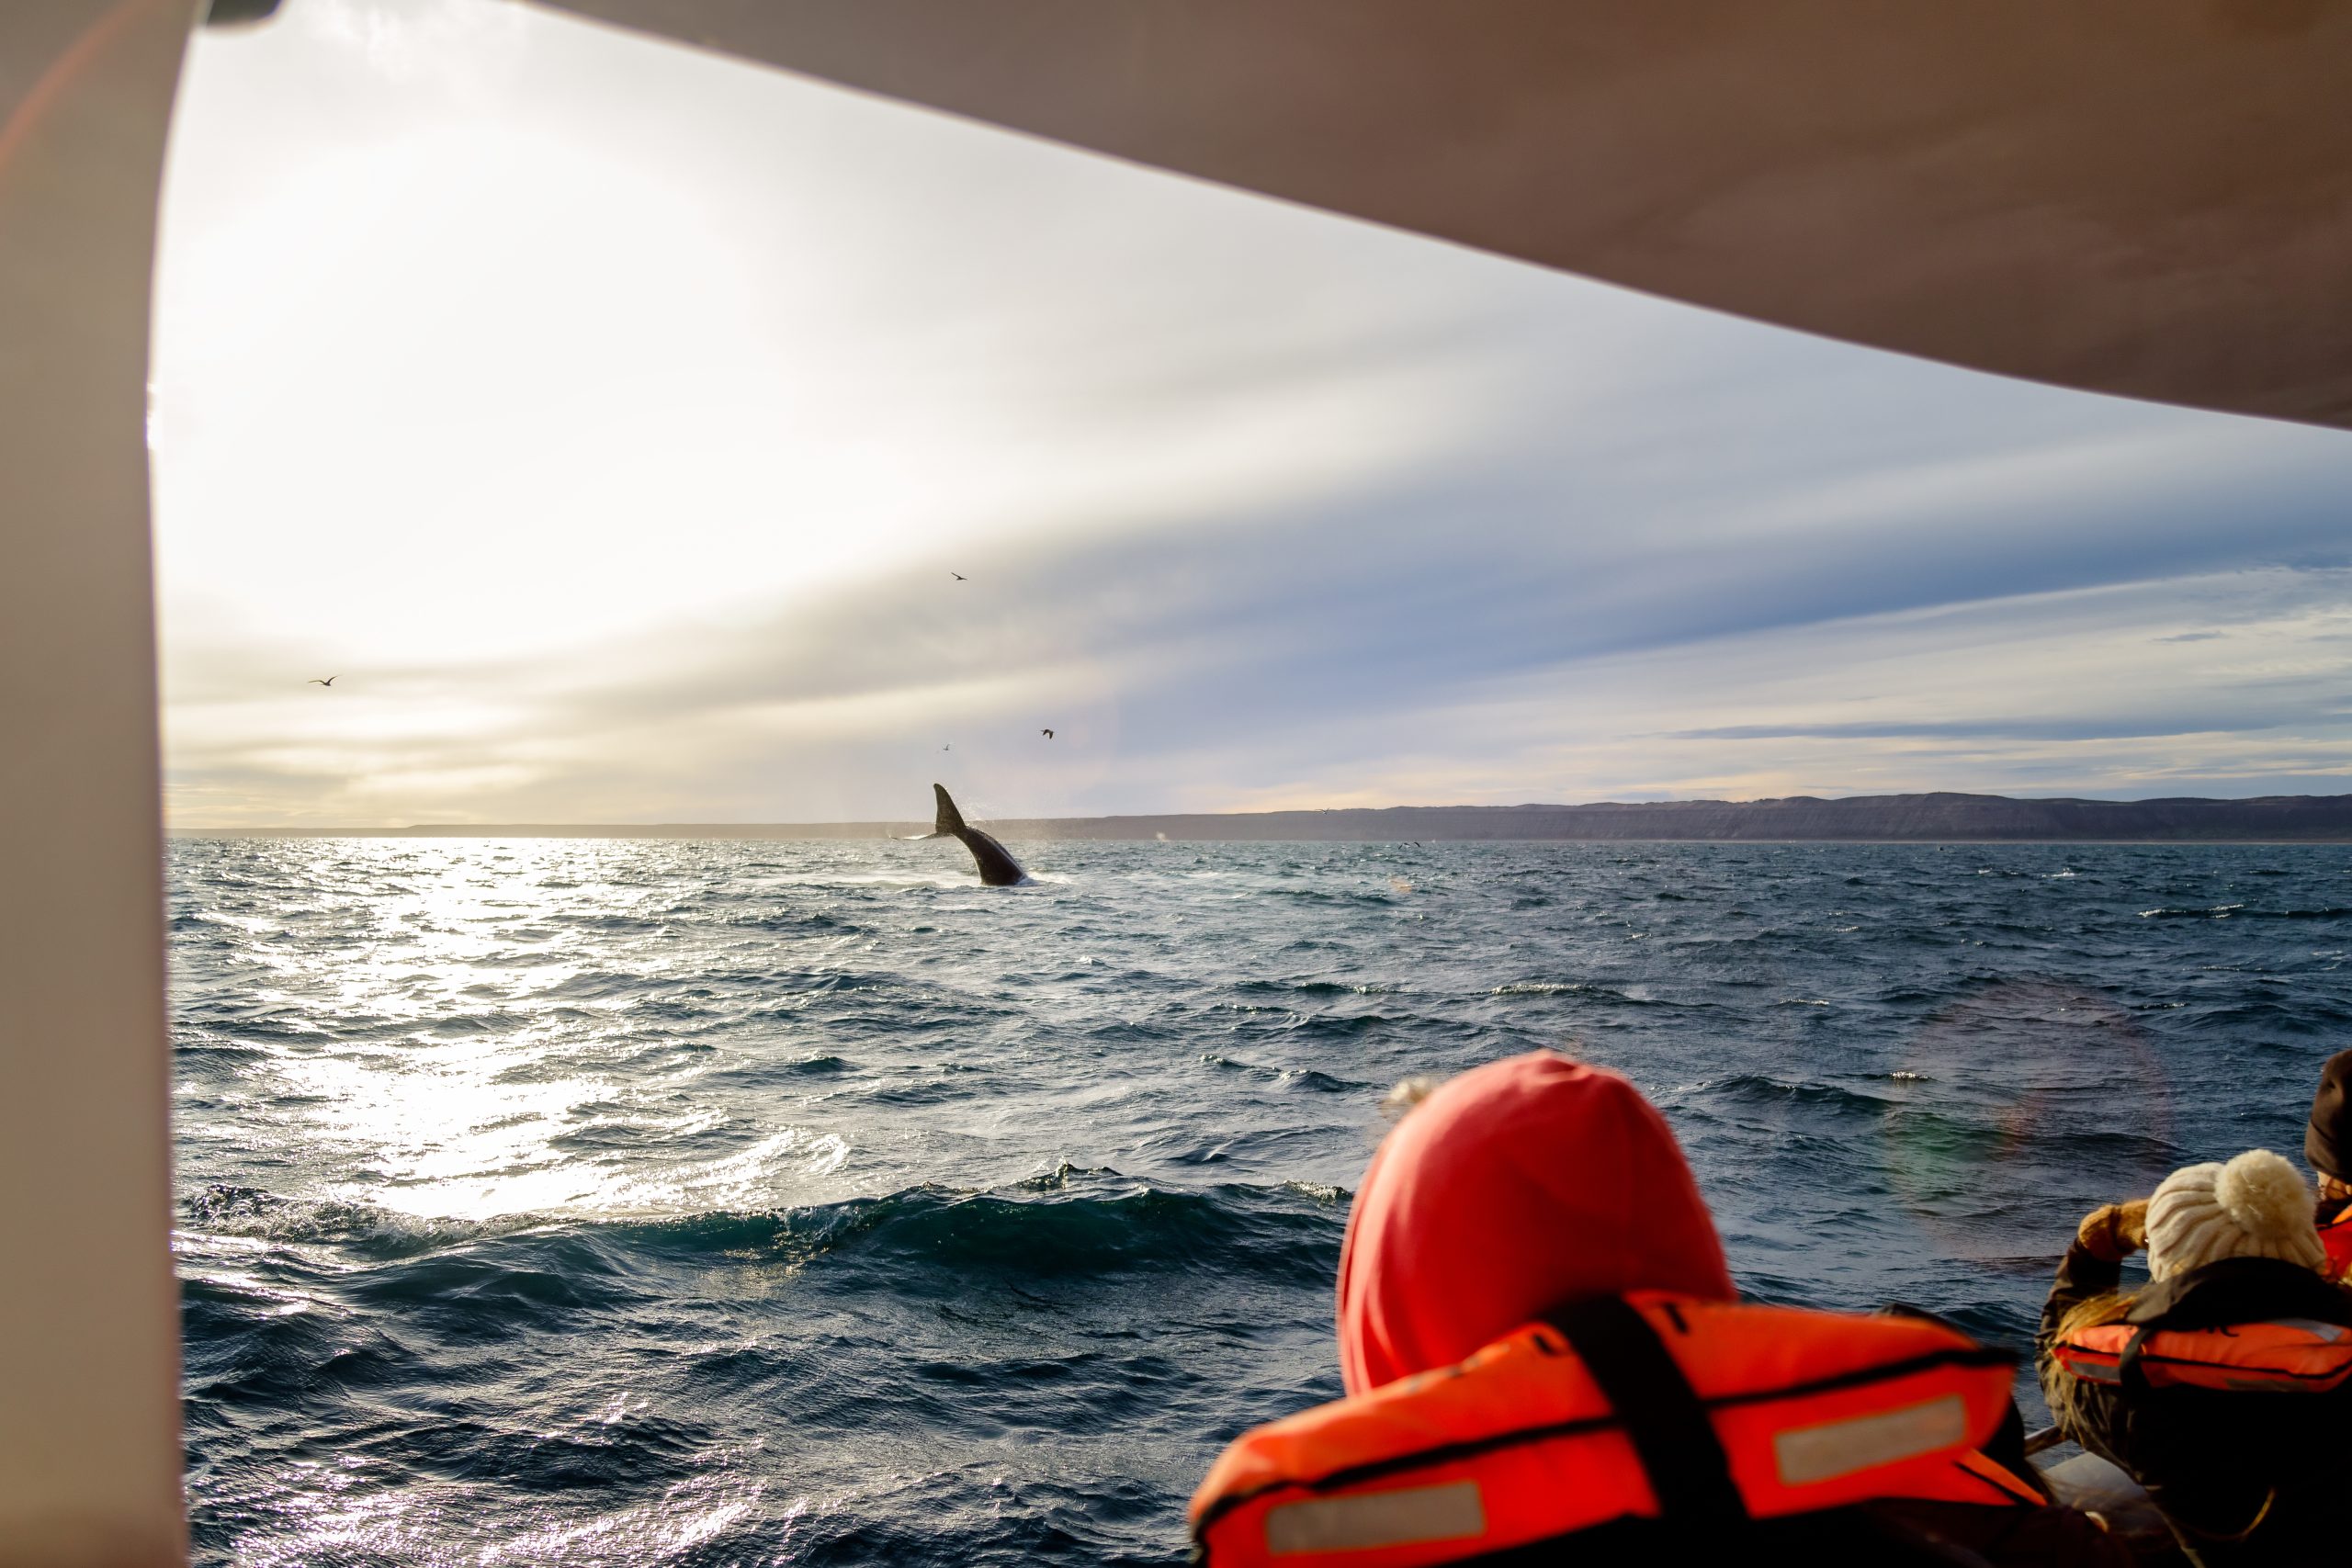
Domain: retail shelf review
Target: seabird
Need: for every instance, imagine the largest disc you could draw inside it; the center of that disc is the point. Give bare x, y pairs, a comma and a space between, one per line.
328, 681
1046, 733
959, 576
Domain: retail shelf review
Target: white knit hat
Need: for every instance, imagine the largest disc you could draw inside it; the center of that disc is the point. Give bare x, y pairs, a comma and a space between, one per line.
2256, 1206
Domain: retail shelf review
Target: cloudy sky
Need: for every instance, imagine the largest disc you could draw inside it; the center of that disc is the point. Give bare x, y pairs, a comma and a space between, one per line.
610, 418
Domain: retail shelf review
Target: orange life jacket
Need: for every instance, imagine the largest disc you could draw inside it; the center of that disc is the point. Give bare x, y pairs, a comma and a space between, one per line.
2292, 1355
1649, 1405
2335, 1240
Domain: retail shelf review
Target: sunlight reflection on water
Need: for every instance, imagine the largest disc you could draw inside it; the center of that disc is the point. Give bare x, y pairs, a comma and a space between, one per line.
620, 1202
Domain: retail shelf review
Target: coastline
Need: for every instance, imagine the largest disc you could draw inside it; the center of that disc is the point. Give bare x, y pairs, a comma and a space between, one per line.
1937, 819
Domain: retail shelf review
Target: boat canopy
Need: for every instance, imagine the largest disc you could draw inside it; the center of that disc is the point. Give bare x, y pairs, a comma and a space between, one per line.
2145, 197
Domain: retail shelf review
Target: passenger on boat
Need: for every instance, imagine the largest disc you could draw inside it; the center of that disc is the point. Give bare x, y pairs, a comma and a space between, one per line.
2222, 1384
2327, 1144
1545, 1360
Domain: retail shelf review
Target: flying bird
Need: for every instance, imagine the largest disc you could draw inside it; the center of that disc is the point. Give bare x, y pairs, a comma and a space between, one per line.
1046, 733
328, 683
959, 576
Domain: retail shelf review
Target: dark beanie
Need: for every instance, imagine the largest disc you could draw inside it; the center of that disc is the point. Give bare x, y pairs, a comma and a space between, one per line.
2327, 1141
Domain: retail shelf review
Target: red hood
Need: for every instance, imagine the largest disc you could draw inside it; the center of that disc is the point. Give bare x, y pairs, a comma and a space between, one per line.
1516, 1187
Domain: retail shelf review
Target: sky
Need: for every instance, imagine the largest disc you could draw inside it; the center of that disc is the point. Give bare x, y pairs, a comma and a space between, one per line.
609, 418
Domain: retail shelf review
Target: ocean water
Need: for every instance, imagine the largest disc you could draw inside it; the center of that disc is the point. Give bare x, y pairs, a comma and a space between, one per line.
606, 1202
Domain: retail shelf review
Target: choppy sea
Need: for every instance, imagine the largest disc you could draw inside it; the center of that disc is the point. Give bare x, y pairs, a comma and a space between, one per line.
626, 1202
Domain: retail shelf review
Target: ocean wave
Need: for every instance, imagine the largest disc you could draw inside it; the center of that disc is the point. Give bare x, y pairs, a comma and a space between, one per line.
1335, 1026
1066, 1222
1341, 896
1315, 988
793, 921
1565, 988
1307, 1079
933, 1241
1081, 1224
2240, 912
222, 1209
2301, 1015
1756, 1088
254, 1348
822, 1066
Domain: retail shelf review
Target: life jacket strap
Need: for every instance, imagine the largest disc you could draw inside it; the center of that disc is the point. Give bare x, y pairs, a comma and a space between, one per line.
1661, 1414
2129, 1371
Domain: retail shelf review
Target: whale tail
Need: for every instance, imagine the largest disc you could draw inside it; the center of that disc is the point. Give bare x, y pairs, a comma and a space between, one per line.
950, 819
994, 862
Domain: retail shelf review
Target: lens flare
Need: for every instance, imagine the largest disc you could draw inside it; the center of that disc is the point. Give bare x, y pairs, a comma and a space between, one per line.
2018, 1109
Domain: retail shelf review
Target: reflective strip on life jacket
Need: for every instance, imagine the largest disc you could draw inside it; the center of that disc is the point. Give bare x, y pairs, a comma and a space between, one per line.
1517, 1443
2290, 1355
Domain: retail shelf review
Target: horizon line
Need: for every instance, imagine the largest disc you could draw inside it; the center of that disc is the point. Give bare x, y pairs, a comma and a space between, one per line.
835, 828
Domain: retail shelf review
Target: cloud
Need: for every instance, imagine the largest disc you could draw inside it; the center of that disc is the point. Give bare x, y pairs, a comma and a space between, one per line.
613, 417
2072, 729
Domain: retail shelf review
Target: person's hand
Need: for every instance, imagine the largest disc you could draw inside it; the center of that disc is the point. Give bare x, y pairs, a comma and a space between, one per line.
2115, 1231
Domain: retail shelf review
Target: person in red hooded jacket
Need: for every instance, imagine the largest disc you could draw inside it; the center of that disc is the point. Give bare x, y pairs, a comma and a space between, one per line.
1545, 1360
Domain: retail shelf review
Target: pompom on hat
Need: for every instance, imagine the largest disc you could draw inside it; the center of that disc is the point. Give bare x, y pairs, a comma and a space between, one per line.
2256, 1206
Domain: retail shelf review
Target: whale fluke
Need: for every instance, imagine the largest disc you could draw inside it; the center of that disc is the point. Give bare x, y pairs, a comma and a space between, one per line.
950, 819
997, 866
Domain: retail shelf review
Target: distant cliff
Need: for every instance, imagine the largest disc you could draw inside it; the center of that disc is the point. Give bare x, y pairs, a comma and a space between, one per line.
1879, 818
1937, 819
